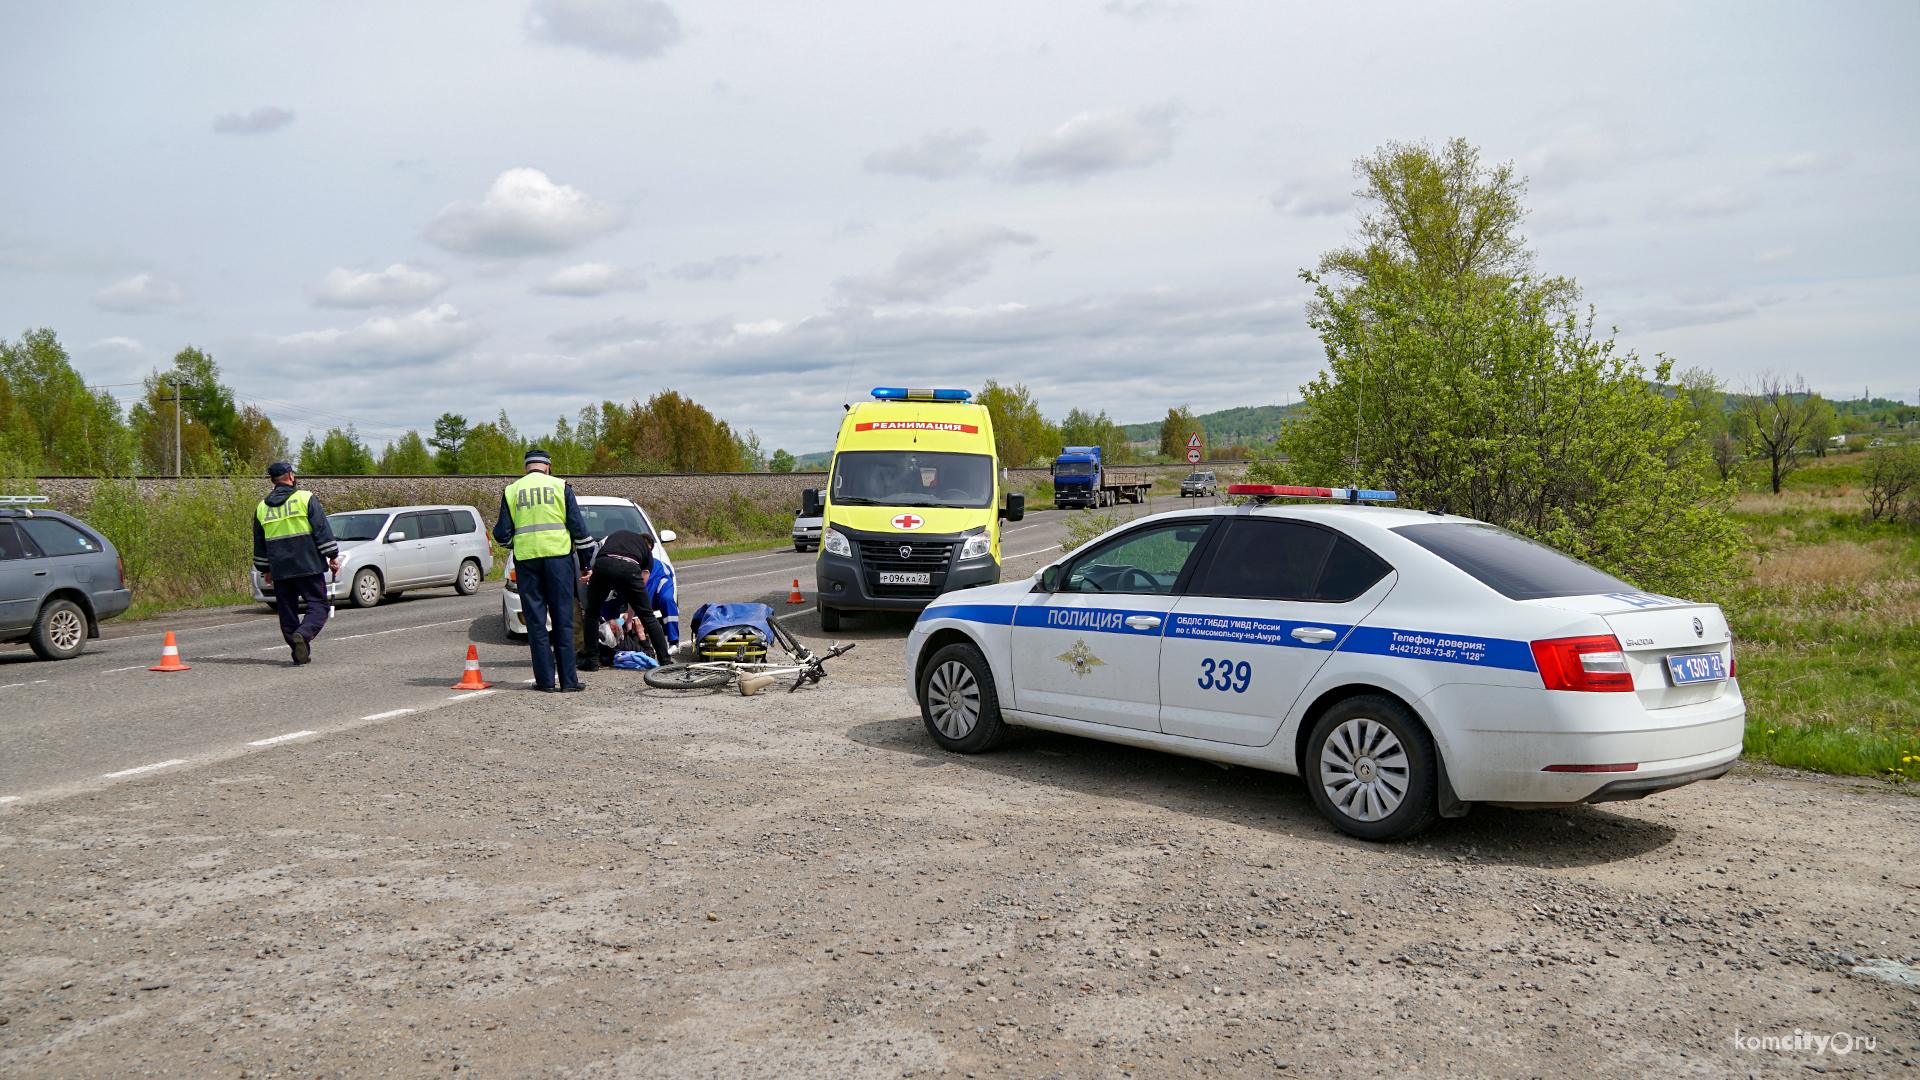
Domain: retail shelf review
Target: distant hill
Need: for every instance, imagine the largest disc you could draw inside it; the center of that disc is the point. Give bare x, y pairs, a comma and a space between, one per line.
1247, 424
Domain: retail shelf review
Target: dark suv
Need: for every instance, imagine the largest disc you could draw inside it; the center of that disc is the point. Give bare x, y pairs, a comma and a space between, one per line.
58, 580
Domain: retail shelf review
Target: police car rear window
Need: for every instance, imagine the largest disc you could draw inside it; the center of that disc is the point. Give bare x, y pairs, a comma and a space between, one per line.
1509, 563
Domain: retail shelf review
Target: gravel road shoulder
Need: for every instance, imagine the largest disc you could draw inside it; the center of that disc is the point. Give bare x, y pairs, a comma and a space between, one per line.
631, 883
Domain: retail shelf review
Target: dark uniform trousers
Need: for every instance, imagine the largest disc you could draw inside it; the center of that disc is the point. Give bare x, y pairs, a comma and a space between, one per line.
287, 594
621, 576
546, 591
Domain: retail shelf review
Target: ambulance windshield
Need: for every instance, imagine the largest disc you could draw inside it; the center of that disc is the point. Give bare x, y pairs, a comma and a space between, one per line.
912, 478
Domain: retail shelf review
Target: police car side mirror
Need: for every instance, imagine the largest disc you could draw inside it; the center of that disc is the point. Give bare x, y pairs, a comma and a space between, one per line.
395, 537
1016, 507
1050, 579
810, 502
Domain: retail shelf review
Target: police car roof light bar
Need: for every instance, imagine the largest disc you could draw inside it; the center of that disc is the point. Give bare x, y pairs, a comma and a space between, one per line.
1290, 491
897, 393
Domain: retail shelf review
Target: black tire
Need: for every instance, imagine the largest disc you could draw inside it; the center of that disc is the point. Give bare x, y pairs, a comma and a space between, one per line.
799, 547
686, 677
467, 581
1365, 753
60, 632
367, 588
958, 701
829, 619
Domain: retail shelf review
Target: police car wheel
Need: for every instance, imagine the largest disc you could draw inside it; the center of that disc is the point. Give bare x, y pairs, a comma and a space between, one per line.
958, 701
366, 588
1370, 766
60, 632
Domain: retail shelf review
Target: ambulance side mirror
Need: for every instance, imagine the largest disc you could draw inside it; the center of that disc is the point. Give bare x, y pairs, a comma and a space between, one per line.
1016, 507
810, 502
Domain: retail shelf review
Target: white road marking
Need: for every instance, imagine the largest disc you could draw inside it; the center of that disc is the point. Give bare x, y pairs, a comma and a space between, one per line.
283, 738
145, 768
399, 630
476, 693
9, 798
387, 715
11, 685
110, 671
1040, 551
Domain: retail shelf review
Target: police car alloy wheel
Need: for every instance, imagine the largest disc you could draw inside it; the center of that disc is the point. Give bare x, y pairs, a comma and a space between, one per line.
366, 588
1370, 766
958, 701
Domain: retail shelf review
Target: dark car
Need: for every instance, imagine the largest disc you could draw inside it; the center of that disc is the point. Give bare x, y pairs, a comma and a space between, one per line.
59, 580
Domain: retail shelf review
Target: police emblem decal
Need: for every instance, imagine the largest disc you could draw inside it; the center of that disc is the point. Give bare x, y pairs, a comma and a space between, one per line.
1081, 659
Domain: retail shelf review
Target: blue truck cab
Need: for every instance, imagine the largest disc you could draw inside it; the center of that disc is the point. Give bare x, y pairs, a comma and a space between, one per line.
1076, 477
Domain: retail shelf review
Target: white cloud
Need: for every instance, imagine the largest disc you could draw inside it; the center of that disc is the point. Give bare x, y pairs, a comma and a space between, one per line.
1808, 161
933, 267
427, 334
937, 156
141, 293
620, 329
724, 268
124, 345
261, 121
1323, 189
1717, 201
1095, 142
633, 29
396, 285
590, 279
1142, 10
524, 213
1575, 154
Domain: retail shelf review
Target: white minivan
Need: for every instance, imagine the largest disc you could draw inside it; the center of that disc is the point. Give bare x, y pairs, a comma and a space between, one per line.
385, 551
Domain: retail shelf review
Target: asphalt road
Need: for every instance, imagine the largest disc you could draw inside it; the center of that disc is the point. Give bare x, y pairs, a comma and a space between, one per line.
102, 716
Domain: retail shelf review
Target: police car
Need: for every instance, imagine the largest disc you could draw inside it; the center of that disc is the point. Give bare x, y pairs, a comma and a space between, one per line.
1406, 664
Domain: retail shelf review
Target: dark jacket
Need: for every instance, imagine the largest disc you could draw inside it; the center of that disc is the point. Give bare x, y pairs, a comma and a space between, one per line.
294, 556
583, 542
635, 547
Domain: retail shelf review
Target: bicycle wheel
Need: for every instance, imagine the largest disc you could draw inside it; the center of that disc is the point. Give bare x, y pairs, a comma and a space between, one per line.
687, 677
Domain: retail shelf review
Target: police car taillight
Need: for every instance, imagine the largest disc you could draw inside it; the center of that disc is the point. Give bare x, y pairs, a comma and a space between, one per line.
898, 393
1593, 664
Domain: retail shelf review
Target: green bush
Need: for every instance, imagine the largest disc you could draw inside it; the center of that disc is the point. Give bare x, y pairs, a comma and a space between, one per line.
183, 549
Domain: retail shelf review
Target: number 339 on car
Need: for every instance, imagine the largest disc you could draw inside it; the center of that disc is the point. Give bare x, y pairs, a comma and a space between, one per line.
1404, 665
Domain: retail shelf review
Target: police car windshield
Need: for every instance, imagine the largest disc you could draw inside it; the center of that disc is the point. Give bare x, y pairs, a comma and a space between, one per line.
604, 521
912, 478
1509, 563
355, 526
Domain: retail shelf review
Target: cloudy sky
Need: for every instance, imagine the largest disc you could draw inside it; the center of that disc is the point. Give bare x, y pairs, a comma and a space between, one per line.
386, 211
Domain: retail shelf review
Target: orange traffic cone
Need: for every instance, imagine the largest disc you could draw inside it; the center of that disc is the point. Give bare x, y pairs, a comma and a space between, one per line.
170, 657
795, 597
472, 680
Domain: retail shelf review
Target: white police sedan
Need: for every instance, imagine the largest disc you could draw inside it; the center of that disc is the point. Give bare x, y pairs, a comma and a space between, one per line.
1406, 664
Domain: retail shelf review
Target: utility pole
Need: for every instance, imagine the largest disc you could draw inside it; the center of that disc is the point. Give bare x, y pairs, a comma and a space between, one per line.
177, 399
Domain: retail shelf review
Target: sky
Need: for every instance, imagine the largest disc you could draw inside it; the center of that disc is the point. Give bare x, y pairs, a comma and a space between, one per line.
384, 211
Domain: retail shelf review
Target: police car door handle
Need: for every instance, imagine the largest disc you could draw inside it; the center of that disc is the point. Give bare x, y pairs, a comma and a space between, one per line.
1143, 622
1313, 633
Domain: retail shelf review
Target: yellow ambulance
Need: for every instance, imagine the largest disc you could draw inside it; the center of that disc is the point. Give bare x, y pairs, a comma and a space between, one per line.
912, 507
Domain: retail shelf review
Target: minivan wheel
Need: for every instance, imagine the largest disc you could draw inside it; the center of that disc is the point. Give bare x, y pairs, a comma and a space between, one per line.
366, 588
958, 700
1370, 765
468, 582
60, 632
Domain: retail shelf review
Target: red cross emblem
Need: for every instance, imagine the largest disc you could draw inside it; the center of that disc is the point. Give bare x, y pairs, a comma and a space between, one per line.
909, 521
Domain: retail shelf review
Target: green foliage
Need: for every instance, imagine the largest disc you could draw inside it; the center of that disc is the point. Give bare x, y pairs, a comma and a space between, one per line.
194, 546
1174, 431
406, 456
1777, 422
1457, 376
493, 448
1086, 525
1893, 483
1021, 436
752, 457
448, 439
52, 422
670, 433
781, 462
1081, 428
340, 453
216, 434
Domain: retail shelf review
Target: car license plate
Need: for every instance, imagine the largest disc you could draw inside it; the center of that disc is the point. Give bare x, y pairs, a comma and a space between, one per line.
888, 577
1697, 668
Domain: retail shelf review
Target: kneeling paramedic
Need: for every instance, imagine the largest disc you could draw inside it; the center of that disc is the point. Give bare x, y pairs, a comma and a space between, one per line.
540, 520
624, 561
293, 548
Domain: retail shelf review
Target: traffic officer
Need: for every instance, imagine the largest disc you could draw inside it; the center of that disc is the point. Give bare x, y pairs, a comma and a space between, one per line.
293, 543
541, 520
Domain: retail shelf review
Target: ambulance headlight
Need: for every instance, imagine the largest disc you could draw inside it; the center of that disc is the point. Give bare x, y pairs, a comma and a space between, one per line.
977, 546
836, 544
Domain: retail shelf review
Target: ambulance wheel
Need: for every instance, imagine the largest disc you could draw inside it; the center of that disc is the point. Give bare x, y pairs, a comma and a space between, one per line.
829, 619
958, 701
367, 588
1370, 767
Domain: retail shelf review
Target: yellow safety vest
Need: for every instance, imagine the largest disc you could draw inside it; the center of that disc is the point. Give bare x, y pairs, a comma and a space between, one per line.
538, 505
287, 519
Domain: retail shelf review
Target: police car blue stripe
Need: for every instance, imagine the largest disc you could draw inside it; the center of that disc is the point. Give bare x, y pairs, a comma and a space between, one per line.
1443, 648
1243, 630
1096, 620
996, 614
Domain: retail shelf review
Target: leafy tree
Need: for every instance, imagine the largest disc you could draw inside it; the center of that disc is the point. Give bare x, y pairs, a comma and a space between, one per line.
1893, 477
1021, 435
448, 439
781, 462
1826, 424
216, 433
340, 453
493, 449
1084, 429
1174, 431
670, 433
406, 456
752, 458
19, 435
54, 419
1776, 422
1457, 376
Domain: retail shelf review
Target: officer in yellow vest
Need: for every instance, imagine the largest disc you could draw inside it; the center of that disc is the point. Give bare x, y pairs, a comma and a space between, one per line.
541, 521
293, 548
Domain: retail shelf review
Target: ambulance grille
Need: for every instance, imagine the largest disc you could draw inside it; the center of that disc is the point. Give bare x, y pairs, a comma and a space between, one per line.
930, 558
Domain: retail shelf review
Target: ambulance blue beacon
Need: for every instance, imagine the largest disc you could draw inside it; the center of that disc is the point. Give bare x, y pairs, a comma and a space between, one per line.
1405, 664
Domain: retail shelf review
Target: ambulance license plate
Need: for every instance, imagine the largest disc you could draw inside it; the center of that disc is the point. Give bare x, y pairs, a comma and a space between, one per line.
888, 577
1697, 668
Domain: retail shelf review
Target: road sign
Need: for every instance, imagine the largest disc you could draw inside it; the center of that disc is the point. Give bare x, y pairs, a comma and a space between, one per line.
1193, 455
1193, 440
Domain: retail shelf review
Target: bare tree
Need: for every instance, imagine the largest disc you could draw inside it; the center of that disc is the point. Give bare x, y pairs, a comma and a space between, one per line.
1777, 422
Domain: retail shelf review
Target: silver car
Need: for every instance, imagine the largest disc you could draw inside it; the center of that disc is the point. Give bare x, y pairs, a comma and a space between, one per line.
386, 551
806, 531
